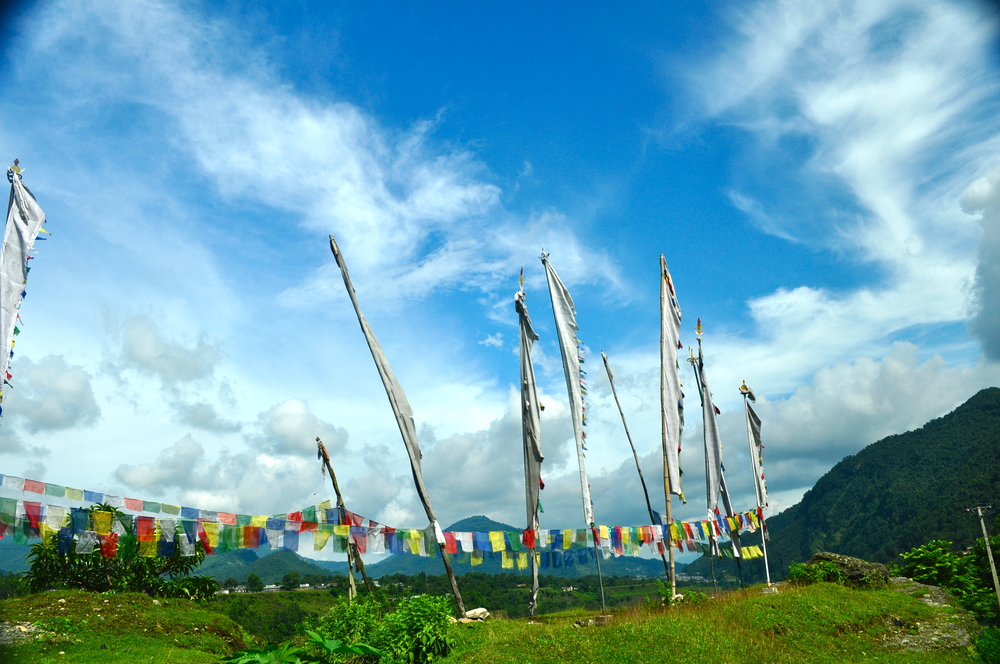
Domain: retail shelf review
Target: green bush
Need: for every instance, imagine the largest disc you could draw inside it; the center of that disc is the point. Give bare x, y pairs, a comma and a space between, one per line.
823, 571
988, 645
416, 631
126, 571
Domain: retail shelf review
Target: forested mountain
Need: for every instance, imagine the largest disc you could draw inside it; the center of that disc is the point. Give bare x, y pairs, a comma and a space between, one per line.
895, 494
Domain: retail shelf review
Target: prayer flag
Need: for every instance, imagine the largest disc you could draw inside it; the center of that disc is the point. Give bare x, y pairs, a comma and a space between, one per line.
24, 221
671, 396
564, 312
756, 455
397, 399
530, 432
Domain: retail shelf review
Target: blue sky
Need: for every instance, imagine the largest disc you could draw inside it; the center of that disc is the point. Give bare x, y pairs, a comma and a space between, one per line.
822, 179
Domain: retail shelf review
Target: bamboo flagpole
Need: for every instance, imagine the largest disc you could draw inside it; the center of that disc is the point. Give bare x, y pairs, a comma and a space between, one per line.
354, 561
652, 519
404, 419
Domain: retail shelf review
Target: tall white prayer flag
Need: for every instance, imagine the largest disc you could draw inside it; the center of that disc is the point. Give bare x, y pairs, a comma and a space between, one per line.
756, 455
671, 396
565, 318
713, 443
24, 221
530, 433
404, 418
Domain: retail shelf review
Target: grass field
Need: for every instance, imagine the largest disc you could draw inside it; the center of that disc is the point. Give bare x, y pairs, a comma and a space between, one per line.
821, 623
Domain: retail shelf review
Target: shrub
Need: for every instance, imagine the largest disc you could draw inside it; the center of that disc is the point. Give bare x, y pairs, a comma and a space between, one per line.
125, 571
815, 573
988, 645
416, 631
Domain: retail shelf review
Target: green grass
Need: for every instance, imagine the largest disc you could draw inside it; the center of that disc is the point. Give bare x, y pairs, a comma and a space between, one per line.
820, 624
90, 627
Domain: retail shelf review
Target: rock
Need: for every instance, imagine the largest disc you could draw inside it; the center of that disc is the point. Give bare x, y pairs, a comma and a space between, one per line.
857, 573
466, 621
477, 614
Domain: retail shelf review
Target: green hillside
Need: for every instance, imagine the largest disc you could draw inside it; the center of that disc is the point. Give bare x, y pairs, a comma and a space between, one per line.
895, 494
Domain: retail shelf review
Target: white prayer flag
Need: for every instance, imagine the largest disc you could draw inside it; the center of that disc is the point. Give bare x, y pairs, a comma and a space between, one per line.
565, 317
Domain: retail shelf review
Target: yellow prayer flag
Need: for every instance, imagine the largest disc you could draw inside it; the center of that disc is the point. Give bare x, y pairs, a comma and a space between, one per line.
522, 560
211, 529
415, 537
753, 519
733, 523
102, 522
45, 531
605, 534
325, 505
568, 536
706, 528
258, 521
320, 538
496, 539
507, 560
147, 549
477, 558
341, 531
74, 494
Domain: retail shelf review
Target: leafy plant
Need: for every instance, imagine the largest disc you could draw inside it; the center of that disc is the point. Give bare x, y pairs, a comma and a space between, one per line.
988, 645
286, 653
818, 572
125, 571
417, 631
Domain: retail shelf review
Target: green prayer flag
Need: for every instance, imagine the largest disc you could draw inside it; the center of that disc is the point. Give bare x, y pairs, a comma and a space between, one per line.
244, 520
55, 490
514, 539
309, 514
8, 511
151, 507
170, 509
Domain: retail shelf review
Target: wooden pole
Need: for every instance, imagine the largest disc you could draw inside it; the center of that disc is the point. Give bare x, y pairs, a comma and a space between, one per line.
354, 561
989, 550
635, 455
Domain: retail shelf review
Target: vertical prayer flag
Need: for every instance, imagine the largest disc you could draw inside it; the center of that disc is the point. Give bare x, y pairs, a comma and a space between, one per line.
671, 396
564, 312
24, 221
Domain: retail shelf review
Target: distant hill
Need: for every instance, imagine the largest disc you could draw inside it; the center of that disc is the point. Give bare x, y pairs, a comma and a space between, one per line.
13, 557
895, 494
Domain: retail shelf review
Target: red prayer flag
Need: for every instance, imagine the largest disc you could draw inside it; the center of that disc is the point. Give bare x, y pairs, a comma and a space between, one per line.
145, 528
227, 518
133, 504
34, 513
34, 486
450, 545
528, 539
109, 545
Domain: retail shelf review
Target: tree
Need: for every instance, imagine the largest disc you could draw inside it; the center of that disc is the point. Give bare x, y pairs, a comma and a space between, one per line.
254, 584
290, 581
116, 566
230, 583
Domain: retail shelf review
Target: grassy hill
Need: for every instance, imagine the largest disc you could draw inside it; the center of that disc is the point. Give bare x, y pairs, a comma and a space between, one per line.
820, 624
895, 494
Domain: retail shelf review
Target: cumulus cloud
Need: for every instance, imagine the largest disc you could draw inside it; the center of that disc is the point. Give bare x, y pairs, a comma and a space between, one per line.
866, 122
983, 198
180, 465
145, 349
846, 407
51, 395
245, 482
204, 416
291, 428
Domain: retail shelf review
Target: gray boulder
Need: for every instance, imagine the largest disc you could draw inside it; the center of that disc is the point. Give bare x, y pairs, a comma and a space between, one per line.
854, 572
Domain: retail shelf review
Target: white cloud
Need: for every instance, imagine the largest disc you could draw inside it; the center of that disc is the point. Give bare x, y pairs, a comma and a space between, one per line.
145, 349
291, 428
983, 197
493, 340
51, 395
204, 416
